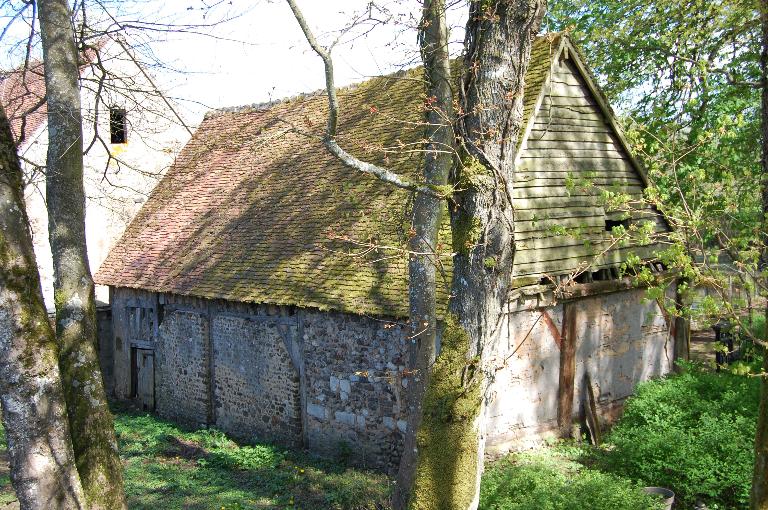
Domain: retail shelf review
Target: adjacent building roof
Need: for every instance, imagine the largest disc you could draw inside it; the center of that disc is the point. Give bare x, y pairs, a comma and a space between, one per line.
256, 210
22, 95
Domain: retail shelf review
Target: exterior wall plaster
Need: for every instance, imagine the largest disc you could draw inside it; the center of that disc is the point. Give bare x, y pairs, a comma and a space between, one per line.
621, 339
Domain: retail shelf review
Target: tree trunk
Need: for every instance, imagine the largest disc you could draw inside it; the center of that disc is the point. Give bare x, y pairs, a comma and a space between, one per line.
427, 217
451, 437
91, 423
759, 496
43, 469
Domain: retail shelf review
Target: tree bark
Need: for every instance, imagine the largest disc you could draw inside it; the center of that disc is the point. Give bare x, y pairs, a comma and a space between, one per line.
759, 495
43, 470
428, 213
451, 441
90, 421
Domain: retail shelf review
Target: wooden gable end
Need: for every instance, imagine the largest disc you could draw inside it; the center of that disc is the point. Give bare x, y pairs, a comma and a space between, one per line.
571, 152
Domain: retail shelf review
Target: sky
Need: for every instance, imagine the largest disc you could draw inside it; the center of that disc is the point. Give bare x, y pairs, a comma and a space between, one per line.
256, 52
224, 53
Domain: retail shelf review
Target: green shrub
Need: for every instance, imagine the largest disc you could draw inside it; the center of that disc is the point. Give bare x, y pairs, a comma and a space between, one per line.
693, 433
525, 482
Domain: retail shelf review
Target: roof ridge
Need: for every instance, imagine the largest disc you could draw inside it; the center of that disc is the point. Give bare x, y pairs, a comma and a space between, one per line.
262, 106
267, 105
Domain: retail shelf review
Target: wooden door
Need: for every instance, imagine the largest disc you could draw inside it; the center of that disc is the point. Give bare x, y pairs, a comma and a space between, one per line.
144, 378
141, 328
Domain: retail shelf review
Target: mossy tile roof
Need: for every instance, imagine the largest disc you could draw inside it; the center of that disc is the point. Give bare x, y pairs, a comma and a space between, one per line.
256, 210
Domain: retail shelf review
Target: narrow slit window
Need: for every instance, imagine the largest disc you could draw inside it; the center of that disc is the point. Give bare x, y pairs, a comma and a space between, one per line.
118, 127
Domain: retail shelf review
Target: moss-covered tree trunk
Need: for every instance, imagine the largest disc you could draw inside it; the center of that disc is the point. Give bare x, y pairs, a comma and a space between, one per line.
428, 214
759, 495
91, 424
498, 42
43, 470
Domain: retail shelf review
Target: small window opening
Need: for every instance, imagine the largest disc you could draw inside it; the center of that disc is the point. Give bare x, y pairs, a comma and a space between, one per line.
609, 224
118, 127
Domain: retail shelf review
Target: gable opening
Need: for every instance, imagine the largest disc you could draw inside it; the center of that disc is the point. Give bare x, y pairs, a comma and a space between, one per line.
610, 224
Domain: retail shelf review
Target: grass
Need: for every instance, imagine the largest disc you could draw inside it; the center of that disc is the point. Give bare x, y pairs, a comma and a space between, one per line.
169, 467
691, 432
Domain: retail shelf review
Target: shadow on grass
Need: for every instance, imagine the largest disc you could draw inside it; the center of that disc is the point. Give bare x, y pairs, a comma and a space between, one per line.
171, 467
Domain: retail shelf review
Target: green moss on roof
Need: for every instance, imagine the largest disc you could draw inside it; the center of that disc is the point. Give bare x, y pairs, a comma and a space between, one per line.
256, 210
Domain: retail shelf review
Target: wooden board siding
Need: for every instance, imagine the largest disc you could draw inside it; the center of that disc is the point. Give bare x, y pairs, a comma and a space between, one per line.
569, 155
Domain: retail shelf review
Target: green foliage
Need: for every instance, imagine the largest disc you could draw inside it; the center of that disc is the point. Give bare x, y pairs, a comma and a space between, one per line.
551, 481
693, 433
758, 325
684, 75
489, 262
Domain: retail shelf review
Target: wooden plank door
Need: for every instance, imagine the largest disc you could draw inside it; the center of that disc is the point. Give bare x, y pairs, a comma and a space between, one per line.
145, 378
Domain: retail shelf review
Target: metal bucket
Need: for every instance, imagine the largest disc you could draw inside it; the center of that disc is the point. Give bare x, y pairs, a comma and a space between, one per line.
666, 496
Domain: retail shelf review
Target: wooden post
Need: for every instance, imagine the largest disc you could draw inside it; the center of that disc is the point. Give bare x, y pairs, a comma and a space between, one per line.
567, 371
681, 331
303, 391
211, 400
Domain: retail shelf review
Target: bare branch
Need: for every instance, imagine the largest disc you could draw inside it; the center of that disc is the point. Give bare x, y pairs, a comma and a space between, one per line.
329, 140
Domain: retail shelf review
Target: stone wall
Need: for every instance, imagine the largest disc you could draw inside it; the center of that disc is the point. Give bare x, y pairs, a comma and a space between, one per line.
329, 381
355, 390
256, 390
182, 376
216, 363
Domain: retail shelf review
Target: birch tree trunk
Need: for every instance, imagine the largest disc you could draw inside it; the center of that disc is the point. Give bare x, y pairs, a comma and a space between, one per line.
43, 470
451, 440
428, 214
759, 495
90, 421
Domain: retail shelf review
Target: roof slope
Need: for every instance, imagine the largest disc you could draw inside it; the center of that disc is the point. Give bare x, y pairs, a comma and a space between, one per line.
256, 210
250, 209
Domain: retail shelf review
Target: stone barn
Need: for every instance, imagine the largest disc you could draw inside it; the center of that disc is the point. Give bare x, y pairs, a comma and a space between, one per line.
262, 289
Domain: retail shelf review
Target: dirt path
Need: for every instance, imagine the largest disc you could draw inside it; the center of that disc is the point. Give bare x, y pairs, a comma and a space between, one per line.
702, 346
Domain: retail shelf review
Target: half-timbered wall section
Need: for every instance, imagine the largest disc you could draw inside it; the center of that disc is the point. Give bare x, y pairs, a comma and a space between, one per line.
324, 380
546, 354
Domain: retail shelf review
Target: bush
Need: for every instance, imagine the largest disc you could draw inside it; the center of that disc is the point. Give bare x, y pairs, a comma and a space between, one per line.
693, 433
524, 482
